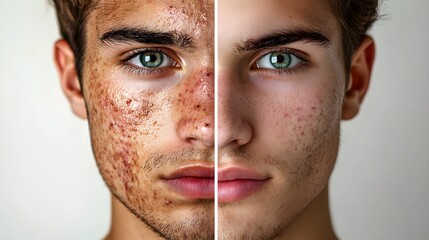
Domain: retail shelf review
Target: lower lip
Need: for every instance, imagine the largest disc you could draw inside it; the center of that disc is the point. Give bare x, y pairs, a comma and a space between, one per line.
193, 187
239, 189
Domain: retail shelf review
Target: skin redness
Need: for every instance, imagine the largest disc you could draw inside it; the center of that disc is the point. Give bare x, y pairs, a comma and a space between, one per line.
148, 85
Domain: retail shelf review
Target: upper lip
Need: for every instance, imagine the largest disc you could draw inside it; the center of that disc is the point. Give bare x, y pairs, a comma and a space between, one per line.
240, 173
192, 172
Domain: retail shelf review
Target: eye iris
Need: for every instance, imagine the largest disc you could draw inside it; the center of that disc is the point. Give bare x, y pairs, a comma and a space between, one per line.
151, 59
280, 60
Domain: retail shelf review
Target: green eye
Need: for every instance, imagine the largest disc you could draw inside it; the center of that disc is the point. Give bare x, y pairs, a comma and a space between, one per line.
278, 60
151, 59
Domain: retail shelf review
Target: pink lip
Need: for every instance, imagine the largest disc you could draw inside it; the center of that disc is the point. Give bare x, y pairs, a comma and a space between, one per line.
195, 182
235, 184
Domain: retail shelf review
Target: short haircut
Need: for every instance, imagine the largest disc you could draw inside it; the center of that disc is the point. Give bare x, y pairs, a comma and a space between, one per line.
355, 17
72, 17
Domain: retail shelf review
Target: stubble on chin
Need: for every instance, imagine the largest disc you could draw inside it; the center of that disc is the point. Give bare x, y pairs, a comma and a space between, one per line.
155, 207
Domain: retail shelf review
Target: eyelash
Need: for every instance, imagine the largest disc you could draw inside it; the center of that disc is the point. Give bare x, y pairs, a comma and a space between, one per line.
144, 71
289, 71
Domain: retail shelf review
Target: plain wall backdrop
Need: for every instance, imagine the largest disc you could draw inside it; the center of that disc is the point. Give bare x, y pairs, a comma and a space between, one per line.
50, 187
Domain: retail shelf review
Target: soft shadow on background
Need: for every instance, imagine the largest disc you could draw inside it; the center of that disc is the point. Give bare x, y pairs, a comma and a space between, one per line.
50, 187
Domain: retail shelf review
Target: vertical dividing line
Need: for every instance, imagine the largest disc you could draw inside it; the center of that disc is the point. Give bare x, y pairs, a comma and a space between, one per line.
216, 158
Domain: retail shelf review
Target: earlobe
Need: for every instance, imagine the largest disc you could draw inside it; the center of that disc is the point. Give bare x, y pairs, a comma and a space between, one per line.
359, 78
65, 62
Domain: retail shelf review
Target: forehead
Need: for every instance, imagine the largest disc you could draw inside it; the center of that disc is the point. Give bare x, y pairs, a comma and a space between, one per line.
171, 15
272, 15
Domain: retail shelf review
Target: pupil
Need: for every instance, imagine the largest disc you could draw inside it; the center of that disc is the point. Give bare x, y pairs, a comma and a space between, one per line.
280, 58
150, 58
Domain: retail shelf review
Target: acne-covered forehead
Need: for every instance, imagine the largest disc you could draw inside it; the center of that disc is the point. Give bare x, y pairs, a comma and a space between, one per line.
187, 16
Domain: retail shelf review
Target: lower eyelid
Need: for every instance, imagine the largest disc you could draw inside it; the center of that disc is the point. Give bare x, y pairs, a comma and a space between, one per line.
288, 71
140, 71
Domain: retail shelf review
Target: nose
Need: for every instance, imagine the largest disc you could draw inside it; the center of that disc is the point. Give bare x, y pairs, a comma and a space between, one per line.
195, 105
234, 129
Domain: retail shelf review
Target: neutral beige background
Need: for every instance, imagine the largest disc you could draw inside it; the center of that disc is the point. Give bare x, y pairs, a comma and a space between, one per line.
50, 187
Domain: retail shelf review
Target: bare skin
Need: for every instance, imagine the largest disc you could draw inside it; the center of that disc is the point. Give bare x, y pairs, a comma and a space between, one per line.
147, 122
283, 122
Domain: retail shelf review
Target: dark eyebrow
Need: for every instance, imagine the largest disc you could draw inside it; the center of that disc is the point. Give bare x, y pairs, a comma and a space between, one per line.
283, 38
124, 35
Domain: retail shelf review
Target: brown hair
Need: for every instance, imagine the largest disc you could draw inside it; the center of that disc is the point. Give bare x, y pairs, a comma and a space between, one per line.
72, 16
355, 16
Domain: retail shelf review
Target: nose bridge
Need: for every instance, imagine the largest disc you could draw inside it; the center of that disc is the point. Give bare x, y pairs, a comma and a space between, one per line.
233, 127
195, 105
226, 100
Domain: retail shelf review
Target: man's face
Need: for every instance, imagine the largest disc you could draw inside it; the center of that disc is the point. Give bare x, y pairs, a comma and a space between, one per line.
281, 87
148, 85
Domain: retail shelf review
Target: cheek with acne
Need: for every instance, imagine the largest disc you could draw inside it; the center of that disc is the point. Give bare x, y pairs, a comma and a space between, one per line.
117, 119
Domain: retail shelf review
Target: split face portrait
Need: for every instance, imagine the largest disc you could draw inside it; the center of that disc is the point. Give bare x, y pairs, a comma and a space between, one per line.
143, 75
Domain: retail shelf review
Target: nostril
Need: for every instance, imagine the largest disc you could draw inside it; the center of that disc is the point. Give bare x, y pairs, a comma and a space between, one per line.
234, 133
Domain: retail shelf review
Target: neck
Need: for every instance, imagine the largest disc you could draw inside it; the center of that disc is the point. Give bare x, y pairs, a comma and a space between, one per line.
314, 223
125, 225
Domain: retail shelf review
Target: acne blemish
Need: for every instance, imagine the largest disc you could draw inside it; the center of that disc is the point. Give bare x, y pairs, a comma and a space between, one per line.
194, 103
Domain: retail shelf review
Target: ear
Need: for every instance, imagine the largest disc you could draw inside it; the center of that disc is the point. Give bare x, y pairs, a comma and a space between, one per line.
359, 78
65, 62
